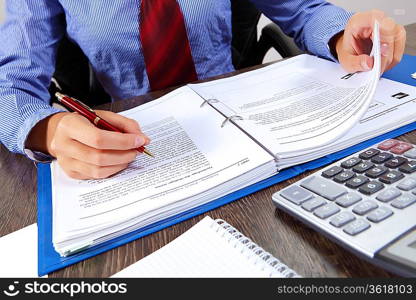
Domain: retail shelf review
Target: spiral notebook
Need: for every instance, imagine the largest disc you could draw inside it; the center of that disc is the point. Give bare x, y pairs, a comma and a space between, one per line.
211, 248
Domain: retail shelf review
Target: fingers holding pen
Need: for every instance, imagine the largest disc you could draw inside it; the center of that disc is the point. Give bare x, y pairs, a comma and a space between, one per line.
80, 129
125, 124
98, 157
86, 152
82, 170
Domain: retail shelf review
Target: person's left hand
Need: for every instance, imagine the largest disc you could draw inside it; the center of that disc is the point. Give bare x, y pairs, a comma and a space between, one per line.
354, 45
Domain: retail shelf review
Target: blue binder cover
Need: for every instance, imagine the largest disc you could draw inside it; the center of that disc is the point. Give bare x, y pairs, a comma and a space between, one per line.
49, 260
402, 72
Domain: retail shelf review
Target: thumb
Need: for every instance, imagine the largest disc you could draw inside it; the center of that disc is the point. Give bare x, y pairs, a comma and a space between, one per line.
356, 63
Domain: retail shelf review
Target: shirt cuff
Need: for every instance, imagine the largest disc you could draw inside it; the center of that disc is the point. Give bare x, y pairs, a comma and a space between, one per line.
333, 26
37, 156
25, 129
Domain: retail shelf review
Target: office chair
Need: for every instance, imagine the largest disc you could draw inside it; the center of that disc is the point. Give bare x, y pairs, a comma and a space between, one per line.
76, 77
247, 51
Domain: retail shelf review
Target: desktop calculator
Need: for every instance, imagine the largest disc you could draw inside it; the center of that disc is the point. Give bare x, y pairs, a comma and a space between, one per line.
365, 202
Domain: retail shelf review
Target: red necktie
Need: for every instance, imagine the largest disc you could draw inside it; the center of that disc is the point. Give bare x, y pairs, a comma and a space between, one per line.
165, 44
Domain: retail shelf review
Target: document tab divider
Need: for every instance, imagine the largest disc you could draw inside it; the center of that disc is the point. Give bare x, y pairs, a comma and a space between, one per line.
49, 260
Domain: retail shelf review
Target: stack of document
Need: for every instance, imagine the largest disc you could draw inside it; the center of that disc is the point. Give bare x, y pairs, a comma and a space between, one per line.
301, 108
195, 162
214, 138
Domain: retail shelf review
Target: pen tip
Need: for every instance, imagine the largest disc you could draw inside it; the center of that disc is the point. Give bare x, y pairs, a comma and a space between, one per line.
148, 153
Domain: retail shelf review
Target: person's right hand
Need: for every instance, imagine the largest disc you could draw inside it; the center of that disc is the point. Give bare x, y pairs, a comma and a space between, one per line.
84, 151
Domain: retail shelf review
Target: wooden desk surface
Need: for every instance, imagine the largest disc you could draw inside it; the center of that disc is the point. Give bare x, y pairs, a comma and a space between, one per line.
303, 249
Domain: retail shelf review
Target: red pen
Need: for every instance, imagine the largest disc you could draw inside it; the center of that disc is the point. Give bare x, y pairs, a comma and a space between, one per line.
84, 110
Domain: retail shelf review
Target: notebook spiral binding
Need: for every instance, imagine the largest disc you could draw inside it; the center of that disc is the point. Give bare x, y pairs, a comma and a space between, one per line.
265, 259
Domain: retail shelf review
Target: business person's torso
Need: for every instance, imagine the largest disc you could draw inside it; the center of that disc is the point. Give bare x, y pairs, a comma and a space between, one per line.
108, 33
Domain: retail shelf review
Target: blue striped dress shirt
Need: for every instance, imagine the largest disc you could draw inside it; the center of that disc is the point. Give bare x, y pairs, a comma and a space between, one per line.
107, 32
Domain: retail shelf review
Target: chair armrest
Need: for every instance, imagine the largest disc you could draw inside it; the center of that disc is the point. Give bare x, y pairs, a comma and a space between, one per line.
273, 37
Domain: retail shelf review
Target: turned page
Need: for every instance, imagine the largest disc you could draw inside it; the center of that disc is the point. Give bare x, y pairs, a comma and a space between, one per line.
393, 106
297, 104
193, 154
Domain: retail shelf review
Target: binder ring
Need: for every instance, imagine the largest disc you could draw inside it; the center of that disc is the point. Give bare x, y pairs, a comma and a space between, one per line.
231, 118
211, 100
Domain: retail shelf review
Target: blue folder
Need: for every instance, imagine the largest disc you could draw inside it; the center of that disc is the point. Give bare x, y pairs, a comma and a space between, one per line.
49, 260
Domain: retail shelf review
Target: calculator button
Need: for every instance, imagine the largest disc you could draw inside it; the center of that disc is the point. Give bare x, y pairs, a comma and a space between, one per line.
323, 187
408, 167
344, 176
371, 187
369, 153
348, 199
356, 227
395, 162
364, 207
407, 184
326, 211
351, 162
363, 167
386, 145
391, 177
376, 171
357, 181
331, 172
312, 204
388, 195
411, 153
401, 148
296, 194
404, 201
381, 158
379, 214
341, 219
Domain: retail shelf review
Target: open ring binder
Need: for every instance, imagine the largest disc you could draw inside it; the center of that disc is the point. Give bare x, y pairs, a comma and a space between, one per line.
50, 260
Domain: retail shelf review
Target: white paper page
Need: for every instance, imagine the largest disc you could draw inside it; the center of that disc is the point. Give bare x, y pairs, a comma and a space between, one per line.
199, 252
192, 152
19, 253
393, 101
301, 103
393, 106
